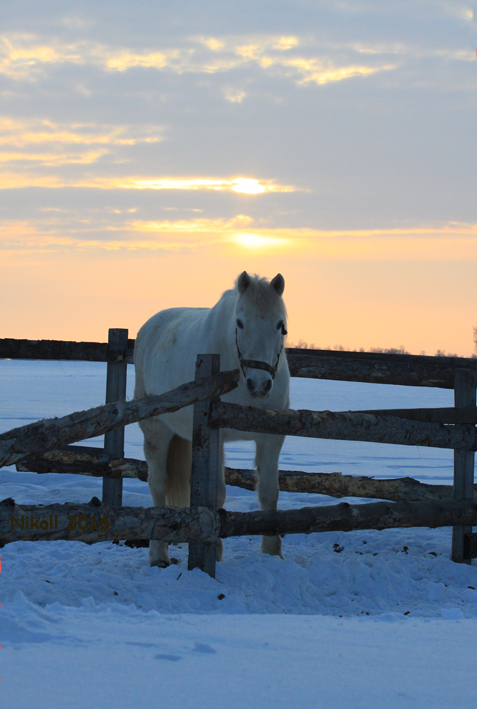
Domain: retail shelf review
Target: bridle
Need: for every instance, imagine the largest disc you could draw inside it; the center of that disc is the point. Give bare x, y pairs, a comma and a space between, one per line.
256, 363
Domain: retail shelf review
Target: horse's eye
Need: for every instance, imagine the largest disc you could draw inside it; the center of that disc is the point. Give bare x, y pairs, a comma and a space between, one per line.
239, 323
281, 326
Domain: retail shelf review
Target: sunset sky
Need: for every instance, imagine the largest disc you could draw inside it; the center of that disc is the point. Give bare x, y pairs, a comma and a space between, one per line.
152, 151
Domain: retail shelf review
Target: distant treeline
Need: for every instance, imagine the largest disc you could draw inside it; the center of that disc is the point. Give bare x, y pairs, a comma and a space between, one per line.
388, 350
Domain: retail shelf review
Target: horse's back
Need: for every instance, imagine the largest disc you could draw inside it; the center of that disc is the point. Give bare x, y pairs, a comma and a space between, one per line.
162, 350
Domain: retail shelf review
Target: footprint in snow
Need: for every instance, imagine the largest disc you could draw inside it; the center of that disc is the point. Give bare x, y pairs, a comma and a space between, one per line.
202, 647
165, 656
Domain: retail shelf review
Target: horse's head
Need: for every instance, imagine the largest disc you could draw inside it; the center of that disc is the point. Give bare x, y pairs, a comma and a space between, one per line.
260, 329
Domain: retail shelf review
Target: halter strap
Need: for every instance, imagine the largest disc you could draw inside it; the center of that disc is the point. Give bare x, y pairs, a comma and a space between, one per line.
255, 363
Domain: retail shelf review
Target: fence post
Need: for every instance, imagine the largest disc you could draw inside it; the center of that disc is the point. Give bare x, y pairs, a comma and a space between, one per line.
115, 391
205, 466
464, 395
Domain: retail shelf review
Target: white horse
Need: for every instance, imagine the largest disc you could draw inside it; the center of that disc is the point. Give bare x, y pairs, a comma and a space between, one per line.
246, 328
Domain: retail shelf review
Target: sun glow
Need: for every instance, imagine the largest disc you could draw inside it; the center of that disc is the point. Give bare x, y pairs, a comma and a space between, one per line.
247, 186
242, 185
256, 241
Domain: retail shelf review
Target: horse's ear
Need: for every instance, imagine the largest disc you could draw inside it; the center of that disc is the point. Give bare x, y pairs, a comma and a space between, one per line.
243, 282
278, 283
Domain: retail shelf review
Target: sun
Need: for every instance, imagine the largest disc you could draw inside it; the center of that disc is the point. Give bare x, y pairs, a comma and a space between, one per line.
256, 241
247, 186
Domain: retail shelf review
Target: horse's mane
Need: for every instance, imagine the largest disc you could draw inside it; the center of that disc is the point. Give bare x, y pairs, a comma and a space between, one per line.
261, 295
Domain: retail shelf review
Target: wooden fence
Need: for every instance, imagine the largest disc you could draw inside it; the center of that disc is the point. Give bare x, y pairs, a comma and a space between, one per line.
37, 448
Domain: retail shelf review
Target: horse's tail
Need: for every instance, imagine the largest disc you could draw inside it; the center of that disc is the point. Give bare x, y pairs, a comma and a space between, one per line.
179, 460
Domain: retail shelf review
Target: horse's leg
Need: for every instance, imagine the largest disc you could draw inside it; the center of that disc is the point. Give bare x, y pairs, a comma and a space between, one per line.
157, 437
266, 459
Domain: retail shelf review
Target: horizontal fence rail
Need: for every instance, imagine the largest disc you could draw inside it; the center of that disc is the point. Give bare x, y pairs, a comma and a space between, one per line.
347, 518
339, 485
97, 523
372, 367
82, 460
449, 415
63, 350
377, 368
53, 433
341, 426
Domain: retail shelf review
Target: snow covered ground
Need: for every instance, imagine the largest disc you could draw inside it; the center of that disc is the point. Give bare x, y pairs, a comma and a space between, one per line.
365, 619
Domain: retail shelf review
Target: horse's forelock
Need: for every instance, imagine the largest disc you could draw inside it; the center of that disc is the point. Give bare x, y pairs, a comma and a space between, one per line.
261, 295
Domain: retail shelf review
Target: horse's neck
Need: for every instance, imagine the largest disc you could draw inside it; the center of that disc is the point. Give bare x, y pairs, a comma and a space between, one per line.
220, 323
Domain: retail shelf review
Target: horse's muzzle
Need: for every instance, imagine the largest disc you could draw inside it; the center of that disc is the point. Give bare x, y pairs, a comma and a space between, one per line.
259, 392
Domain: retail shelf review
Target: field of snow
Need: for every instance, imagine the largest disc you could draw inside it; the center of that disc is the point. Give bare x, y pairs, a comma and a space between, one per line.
362, 619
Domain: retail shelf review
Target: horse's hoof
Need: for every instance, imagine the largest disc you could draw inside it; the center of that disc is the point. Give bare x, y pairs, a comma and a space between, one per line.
272, 553
272, 546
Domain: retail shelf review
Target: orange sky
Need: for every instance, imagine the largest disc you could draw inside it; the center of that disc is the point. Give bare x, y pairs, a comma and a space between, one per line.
332, 299
147, 158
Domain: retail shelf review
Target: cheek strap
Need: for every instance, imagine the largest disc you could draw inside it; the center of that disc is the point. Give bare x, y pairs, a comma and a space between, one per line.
255, 363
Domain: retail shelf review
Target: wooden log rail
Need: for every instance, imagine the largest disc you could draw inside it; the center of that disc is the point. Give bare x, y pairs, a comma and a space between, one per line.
86, 460
96, 522
82, 460
449, 415
378, 368
63, 350
53, 433
348, 426
339, 485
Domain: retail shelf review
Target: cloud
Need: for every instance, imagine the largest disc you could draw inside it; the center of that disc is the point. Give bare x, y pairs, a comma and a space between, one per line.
242, 185
22, 56
242, 113
239, 235
53, 159
22, 132
41, 142
233, 94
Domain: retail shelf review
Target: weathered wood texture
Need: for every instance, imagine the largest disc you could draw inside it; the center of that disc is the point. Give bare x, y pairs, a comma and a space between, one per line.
172, 524
338, 485
205, 465
341, 426
96, 522
449, 415
464, 396
89, 461
345, 518
84, 460
381, 368
406, 370
54, 433
62, 350
116, 381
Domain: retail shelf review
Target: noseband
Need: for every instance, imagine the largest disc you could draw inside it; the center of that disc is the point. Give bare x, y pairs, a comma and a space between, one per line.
255, 363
